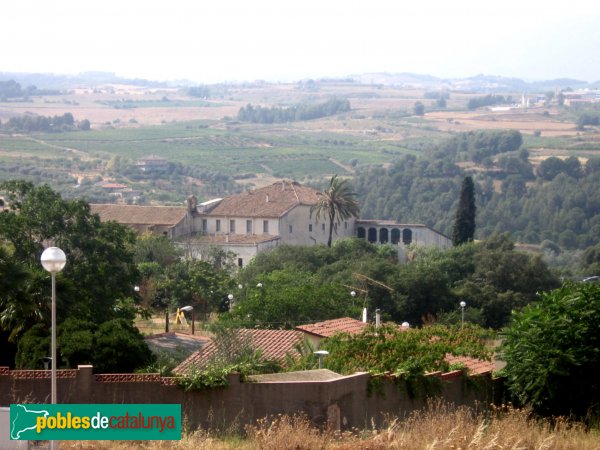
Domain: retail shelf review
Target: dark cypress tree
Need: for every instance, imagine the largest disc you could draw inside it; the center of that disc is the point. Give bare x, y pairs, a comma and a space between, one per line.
464, 224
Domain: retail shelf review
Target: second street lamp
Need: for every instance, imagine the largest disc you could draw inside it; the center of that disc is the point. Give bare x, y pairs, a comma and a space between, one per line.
189, 308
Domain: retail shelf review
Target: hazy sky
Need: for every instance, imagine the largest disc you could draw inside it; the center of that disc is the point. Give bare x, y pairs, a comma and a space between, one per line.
208, 41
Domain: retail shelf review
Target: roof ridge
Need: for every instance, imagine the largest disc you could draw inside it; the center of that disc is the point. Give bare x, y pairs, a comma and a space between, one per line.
295, 193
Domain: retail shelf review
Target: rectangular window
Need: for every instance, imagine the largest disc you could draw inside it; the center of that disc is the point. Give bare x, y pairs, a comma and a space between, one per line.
204, 225
232, 226
323, 226
265, 226
310, 227
249, 226
345, 225
291, 229
240, 262
218, 225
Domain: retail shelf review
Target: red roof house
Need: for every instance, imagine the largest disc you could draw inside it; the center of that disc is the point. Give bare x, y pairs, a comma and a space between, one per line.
274, 345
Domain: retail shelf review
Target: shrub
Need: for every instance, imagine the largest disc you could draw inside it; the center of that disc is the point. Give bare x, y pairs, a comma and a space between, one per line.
552, 350
119, 347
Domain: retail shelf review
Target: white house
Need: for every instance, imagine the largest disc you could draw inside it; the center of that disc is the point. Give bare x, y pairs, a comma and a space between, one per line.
264, 218
261, 219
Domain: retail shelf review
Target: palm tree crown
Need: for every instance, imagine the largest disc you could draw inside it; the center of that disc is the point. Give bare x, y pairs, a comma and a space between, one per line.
338, 202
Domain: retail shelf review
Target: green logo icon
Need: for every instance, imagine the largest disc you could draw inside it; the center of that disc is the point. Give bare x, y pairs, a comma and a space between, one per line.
95, 422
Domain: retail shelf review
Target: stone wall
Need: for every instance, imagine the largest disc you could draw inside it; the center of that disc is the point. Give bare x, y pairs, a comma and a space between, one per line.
344, 403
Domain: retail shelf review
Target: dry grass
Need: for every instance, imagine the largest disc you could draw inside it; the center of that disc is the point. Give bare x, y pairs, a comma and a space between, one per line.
526, 121
439, 427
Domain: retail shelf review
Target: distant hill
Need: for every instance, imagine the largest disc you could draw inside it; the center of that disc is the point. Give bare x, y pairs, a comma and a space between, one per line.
62, 82
477, 83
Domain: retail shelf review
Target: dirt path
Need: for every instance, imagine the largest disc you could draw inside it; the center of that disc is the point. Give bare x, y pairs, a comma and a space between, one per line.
347, 168
83, 155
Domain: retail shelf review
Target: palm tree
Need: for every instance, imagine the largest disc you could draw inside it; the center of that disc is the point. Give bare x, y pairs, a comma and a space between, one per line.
337, 202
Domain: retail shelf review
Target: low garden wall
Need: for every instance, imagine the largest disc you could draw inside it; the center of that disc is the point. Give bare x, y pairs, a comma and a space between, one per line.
354, 401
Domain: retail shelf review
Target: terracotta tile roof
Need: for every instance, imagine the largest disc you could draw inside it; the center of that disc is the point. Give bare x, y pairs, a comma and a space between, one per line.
328, 328
275, 344
348, 325
473, 365
132, 214
389, 223
235, 238
270, 201
113, 186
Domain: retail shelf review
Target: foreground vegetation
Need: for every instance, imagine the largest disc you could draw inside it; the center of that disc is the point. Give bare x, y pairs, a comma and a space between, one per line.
438, 427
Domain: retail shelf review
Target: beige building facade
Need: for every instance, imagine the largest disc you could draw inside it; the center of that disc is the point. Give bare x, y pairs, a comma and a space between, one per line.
259, 220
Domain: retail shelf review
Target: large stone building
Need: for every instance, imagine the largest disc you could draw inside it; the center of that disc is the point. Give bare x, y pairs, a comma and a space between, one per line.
261, 219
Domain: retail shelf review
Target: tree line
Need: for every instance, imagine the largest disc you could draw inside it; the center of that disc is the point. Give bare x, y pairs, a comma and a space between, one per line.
476, 146
488, 100
11, 90
260, 114
46, 124
555, 204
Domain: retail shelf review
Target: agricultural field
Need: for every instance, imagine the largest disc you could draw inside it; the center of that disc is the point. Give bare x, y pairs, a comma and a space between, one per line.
204, 137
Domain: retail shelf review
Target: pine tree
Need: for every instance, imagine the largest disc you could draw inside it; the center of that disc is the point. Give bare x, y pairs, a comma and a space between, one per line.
464, 224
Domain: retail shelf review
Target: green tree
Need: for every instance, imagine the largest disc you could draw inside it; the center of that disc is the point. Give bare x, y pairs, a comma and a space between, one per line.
119, 347
33, 347
195, 283
100, 268
153, 248
338, 202
287, 298
419, 109
464, 224
590, 260
84, 125
552, 352
112, 346
16, 311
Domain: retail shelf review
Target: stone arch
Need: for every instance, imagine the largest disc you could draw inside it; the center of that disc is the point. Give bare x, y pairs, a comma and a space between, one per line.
395, 236
372, 236
407, 236
383, 235
361, 232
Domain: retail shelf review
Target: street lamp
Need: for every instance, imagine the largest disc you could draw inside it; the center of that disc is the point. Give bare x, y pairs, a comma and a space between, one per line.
230, 297
53, 260
462, 315
186, 309
321, 354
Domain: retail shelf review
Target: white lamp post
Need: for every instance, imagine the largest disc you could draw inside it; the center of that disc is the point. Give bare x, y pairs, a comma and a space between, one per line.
462, 314
230, 297
321, 354
53, 260
188, 309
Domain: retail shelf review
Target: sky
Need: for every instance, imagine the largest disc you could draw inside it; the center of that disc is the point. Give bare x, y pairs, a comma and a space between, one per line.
209, 41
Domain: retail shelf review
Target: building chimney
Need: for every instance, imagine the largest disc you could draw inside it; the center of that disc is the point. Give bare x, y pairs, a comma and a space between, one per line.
377, 318
364, 317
